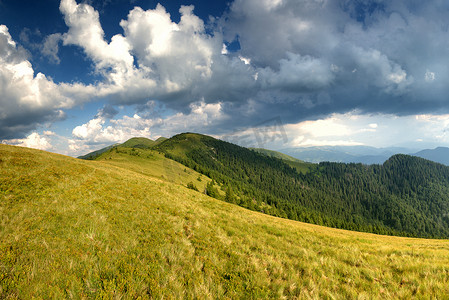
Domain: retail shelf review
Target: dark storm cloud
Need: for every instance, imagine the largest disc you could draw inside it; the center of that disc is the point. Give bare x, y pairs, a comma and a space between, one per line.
319, 57
18, 125
308, 59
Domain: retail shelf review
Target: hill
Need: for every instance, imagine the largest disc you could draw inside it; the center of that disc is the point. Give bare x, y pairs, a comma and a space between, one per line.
439, 154
299, 165
154, 164
276, 154
161, 139
406, 195
88, 229
136, 142
95, 154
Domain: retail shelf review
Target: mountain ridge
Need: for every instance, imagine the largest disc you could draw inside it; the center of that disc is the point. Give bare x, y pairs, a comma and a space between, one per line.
362, 154
135, 142
345, 154
276, 154
316, 154
438, 154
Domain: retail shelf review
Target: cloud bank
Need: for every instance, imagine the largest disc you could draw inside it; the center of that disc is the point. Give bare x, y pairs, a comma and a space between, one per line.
309, 59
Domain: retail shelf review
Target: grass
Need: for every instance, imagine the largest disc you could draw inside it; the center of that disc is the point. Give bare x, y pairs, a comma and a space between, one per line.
300, 166
154, 164
276, 154
139, 142
95, 229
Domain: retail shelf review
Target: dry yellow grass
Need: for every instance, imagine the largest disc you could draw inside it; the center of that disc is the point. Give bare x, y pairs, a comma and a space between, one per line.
87, 229
153, 164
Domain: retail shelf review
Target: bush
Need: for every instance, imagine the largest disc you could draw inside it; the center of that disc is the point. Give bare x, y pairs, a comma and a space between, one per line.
191, 186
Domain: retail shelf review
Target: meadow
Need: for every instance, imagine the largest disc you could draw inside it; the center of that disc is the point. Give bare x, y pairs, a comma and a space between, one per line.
119, 228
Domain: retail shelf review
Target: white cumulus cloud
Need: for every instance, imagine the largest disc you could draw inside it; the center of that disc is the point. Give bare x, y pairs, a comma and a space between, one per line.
26, 98
155, 57
33, 140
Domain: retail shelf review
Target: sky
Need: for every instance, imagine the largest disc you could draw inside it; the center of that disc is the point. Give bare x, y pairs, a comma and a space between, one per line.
76, 76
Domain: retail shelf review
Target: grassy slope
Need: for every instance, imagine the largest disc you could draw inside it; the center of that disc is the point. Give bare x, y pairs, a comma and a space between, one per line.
180, 144
299, 165
161, 139
152, 163
73, 228
138, 142
276, 154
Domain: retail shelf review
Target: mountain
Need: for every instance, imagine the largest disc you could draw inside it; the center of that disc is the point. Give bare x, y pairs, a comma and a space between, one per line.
345, 154
276, 154
295, 163
405, 196
439, 154
94, 154
362, 154
136, 142
161, 139
115, 228
154, 164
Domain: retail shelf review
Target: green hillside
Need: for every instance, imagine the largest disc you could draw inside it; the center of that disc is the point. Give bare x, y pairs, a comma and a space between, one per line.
276, 154
161, 139
154, 164
406, 196
90, 229
95, 154
138, 142
299, 165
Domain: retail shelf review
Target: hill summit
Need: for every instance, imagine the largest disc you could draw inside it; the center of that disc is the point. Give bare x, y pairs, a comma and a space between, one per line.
136, 142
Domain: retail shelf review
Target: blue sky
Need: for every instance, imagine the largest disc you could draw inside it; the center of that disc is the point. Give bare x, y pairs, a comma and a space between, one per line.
76, 76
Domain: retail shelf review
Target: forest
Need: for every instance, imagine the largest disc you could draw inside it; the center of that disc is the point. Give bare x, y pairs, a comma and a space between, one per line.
407, 196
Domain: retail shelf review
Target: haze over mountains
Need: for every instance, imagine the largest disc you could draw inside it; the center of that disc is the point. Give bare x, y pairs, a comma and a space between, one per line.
439, 154
363, 154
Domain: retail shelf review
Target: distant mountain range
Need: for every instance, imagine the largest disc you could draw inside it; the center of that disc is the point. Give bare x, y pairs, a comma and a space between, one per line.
362, 154
439, 154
